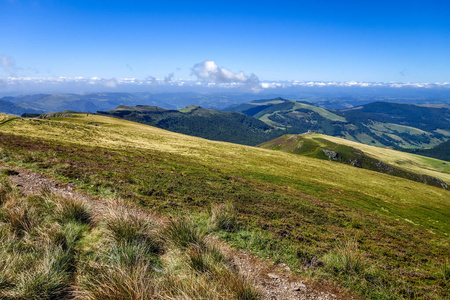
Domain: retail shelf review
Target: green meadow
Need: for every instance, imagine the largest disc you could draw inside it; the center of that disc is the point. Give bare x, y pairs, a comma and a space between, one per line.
380, 236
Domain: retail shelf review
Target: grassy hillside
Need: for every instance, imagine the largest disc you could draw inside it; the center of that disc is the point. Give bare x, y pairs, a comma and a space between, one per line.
194, 120
382, 236
441, 151
422, 169
377, 124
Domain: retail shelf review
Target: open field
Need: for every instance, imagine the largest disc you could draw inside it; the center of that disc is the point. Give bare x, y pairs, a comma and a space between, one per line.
381, 236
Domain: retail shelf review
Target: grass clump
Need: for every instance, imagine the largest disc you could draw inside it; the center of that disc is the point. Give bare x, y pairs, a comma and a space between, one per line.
243, 290
124, 275
207, 260
21, 217
345, 259
125, 226
49, 278
224, 217
73, 210
6, 189
183, 233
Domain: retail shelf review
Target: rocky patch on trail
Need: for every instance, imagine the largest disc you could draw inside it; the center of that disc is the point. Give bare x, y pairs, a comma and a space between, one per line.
276, 282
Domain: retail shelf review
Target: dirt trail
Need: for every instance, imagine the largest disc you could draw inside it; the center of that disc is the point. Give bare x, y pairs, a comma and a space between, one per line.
276, 282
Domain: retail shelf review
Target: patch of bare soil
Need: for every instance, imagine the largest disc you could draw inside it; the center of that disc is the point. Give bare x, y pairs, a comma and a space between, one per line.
276, 282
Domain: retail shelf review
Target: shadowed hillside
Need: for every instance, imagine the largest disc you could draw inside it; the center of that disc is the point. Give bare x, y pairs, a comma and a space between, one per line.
441, 151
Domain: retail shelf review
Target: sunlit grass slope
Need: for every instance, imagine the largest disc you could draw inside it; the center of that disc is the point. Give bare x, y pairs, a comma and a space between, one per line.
415, 163
311, 144
317, 216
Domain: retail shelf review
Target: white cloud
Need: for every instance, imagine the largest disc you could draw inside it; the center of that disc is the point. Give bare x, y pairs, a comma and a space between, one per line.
111, 83
8, 65
210, 71
271, 85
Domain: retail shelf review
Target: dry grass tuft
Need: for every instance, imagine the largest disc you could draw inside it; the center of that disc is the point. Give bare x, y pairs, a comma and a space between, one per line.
116, 281
55, 247
345, 258
224, 217
73, 210
183, 233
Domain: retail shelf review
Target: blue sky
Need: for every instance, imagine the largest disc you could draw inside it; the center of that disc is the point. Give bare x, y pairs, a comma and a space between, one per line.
317, 40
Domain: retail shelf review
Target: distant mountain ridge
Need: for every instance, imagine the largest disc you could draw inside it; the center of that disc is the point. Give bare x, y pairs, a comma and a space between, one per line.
379, 123
91, 102
88, 102
383, 124
13, 109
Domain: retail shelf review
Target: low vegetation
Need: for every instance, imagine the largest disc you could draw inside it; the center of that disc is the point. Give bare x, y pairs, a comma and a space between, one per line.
224, 217
54, 247
382, 236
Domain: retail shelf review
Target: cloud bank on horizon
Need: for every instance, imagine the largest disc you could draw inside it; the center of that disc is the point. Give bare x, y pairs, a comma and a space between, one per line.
208, 77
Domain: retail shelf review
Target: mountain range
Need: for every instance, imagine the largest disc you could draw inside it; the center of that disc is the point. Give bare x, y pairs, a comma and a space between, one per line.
328, 97
91, 102
402, 126
380, 123
383, 124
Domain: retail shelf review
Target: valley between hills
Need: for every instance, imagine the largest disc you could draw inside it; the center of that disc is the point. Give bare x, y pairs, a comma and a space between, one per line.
374, 235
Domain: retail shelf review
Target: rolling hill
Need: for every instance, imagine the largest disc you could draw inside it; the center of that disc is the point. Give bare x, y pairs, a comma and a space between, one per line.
379, 124
382, 236
422, 169
197, 121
